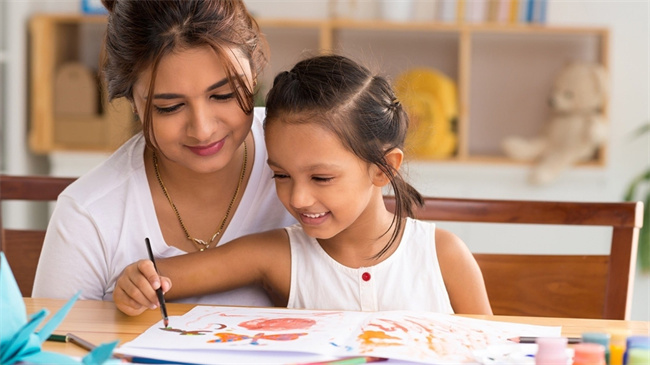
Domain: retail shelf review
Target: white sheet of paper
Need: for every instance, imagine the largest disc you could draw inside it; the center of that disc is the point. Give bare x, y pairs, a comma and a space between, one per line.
273, 335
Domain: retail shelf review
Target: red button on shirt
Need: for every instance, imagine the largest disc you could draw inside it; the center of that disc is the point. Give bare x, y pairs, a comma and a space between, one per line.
365, 276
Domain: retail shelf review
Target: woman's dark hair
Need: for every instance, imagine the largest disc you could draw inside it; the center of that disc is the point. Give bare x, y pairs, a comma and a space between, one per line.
358, 107
141, 32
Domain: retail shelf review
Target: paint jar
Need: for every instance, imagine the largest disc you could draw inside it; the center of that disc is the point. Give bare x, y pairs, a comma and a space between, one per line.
599, 338
636, 342
638, 357
617, 347
589, 354
551, 351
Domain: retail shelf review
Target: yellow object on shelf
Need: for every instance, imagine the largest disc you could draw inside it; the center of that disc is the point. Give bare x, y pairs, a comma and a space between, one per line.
430, 100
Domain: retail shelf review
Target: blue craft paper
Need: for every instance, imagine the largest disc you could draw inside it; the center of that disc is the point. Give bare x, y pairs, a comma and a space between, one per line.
100, 354
13, 311
19, 340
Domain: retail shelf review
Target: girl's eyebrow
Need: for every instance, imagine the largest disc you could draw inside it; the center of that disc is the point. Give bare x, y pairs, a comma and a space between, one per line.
177, 96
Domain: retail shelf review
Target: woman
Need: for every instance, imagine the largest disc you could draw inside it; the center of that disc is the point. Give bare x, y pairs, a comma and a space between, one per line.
196, 176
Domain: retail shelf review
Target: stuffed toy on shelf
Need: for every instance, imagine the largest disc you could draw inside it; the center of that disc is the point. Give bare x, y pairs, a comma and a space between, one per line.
577, 126
430, 100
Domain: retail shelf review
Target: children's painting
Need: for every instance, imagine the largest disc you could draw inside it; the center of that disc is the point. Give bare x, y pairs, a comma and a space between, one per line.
401, 335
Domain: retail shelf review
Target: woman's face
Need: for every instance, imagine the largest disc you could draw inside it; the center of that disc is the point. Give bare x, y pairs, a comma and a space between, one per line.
197, 122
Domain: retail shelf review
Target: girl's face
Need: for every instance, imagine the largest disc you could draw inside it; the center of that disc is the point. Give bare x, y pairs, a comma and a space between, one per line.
196, 119
326, 187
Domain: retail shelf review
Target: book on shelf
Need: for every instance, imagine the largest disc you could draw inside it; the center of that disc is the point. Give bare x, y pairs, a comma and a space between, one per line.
482, 11
447, 11
476, 11
513, 15
425, 10
539, 11
534, 11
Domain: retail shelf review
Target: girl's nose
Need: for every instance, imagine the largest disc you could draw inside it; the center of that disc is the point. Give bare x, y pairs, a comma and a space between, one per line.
301, 196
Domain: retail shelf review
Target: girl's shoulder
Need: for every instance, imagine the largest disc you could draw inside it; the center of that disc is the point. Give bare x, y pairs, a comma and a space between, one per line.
450, 247
446, 242
269, 240
445, 238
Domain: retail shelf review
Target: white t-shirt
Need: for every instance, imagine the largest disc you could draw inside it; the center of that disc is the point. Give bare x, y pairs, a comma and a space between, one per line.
100, 222
410, 279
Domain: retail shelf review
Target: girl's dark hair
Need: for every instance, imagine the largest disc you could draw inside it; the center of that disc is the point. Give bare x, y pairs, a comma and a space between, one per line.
141, 32
357, 106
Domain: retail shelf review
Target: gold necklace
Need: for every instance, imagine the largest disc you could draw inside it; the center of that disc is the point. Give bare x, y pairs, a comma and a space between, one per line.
201, 243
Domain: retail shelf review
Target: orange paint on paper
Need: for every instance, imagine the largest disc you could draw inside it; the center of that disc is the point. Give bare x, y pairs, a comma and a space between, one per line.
377, 338
223, 337
228, 337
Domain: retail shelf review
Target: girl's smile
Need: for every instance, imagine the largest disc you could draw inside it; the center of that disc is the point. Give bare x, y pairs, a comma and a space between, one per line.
314, 219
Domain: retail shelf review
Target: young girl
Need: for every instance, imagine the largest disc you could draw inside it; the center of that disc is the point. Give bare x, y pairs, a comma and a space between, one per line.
334, 134
196, 176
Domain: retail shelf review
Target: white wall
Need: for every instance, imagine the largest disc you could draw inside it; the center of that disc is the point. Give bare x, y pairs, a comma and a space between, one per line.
630, 76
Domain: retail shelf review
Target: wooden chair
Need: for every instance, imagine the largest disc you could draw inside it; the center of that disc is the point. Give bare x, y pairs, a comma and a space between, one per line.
584, 286
23, 247
580, 286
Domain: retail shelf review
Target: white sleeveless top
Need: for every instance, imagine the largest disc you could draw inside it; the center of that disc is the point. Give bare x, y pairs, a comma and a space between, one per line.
410, 279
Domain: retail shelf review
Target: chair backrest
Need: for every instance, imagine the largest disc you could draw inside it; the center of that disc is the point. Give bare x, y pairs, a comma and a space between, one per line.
581, 286
22, 247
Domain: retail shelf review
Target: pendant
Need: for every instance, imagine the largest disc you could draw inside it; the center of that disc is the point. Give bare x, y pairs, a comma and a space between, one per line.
202, 243
205, 245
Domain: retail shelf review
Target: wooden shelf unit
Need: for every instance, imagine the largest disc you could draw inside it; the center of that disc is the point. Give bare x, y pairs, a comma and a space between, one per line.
503, 73
54, 41
526, 57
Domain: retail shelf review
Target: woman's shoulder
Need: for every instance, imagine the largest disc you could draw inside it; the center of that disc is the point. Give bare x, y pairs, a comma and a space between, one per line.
257, 128
117, 172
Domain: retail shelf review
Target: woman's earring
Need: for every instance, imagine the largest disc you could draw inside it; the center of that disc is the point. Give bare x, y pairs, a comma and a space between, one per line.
135, 112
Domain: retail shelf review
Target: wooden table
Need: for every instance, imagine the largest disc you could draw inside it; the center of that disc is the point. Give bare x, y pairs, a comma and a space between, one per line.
99, 322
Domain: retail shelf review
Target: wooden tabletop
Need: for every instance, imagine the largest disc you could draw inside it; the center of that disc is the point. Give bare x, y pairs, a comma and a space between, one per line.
99, 322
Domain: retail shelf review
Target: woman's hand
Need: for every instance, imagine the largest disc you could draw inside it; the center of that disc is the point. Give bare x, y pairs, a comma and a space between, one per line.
135, 289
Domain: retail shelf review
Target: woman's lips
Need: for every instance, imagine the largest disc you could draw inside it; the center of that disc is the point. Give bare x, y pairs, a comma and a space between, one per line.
209, 149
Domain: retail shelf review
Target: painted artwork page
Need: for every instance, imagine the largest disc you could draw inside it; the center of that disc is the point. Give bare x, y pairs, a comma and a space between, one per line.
401, 335
252, 329
436, 338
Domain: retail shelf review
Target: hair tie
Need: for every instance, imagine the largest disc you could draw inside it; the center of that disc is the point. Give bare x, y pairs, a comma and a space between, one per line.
288, 75
394, 105
291, 75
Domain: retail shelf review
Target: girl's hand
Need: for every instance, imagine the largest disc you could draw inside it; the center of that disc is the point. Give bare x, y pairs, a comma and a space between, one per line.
135, 289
